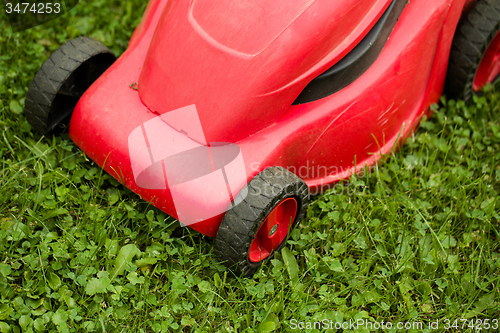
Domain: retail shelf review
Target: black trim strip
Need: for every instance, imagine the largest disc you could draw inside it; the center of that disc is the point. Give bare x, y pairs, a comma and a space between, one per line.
356, 62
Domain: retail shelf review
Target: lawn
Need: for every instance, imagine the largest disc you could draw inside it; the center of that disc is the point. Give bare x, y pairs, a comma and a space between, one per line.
415, 239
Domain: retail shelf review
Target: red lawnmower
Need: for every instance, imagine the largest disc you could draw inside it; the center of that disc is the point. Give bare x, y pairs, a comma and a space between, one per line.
228, 114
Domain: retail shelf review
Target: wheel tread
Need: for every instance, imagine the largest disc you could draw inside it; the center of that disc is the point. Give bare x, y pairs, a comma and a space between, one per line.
240, 224
51, 76
472, 38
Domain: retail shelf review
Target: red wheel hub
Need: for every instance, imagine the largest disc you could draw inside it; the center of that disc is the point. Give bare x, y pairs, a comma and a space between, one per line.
273, 230
489, 68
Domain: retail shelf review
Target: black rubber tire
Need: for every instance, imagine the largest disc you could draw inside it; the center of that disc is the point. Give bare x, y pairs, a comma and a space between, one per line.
62, 80
241, 223
473, 36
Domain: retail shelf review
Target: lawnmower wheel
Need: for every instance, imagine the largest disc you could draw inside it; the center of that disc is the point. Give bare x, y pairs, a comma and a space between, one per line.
62, 80
250, 232
475, 53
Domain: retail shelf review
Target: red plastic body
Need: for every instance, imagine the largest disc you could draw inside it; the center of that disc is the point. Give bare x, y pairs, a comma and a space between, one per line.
243, 71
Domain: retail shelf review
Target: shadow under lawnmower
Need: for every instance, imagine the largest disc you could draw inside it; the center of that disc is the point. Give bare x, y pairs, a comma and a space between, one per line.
243, 108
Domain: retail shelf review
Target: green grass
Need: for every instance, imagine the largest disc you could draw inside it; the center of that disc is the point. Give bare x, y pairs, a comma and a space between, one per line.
416, 239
